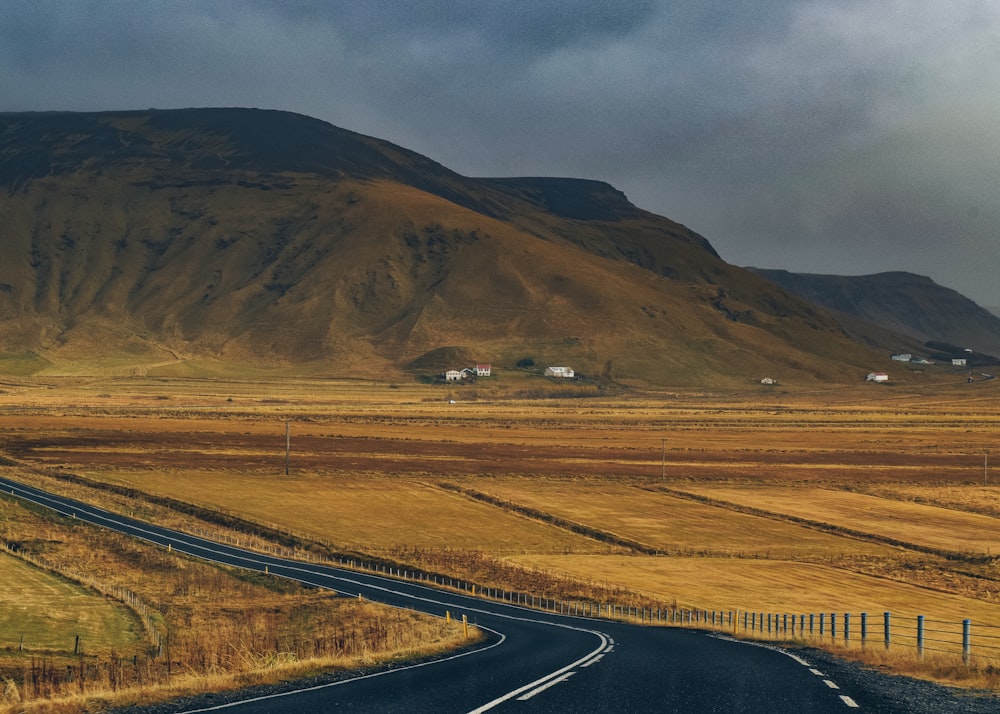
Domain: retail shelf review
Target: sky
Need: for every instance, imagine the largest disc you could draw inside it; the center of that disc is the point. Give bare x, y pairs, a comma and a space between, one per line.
844, 137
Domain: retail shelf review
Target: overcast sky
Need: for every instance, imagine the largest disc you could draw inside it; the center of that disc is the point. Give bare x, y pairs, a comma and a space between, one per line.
826, 136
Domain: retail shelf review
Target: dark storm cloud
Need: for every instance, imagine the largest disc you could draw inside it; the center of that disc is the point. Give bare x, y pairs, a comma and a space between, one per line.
820, 135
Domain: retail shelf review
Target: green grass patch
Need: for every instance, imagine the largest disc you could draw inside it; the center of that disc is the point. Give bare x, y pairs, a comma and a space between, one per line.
40, 611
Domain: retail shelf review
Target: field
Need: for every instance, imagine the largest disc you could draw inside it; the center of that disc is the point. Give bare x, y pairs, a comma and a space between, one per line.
866, 498
42, 611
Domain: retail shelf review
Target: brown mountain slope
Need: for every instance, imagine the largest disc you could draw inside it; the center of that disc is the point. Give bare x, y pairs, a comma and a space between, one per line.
910, 304
258, 237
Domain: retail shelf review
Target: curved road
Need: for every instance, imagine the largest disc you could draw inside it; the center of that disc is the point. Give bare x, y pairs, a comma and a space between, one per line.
534, 662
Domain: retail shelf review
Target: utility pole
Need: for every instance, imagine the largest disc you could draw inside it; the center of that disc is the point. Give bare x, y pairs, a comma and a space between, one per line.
288, 443
986, 464
663, 459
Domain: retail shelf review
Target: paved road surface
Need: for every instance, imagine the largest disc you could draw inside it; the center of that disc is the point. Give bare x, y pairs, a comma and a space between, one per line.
533, 662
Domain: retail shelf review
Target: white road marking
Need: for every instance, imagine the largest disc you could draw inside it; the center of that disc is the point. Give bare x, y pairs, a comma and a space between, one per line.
201, 544
539, 690
832, 685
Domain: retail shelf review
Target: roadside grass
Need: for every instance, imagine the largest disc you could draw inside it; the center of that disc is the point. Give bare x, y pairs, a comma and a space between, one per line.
219, 628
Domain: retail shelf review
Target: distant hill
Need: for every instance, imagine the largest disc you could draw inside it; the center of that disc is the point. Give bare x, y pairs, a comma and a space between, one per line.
166, 241
911, 304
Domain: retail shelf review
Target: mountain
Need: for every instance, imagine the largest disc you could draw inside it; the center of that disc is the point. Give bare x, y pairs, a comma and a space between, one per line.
910, 304
169, 240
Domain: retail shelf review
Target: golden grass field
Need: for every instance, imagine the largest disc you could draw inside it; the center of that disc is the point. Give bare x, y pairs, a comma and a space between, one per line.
848, 499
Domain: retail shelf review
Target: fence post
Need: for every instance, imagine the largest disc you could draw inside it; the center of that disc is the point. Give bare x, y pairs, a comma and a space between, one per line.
920, 636
888, 637
847, 627
822, 622
812, 623
966, 640
833, 625
864, 629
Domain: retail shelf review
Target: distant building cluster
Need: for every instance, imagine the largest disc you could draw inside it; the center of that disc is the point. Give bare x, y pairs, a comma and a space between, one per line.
467, 374
482, 369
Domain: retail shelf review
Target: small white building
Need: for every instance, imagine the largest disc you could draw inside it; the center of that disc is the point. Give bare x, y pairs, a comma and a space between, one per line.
958, 362
768, 380
452, 375
903, 357
877, 377
484, 370
563, 372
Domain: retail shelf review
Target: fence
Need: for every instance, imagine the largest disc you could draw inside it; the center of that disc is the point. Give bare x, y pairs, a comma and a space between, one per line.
916, 635
125, 596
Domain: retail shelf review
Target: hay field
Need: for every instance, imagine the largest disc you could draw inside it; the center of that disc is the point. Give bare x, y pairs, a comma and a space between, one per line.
635, 510
730, 583
934, 527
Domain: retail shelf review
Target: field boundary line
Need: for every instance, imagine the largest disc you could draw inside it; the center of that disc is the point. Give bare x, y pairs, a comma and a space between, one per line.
819, 525
552, 520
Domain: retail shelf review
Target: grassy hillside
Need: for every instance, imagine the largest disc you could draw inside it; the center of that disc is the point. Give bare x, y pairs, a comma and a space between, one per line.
136, 240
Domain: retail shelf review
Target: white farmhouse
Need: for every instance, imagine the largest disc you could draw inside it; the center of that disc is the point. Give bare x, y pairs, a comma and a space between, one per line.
959, 362
452, 375
877, 377
483, 370
564, 372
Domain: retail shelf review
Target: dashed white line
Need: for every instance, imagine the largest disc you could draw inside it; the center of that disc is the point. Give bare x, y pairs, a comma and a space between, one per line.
828, 682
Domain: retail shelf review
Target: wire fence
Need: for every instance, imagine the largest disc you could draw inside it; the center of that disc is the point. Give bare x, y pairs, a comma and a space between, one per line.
917, 635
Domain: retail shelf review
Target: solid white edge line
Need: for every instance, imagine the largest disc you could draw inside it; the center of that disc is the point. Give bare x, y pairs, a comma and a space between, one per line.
531, 685
550, 683
317, 687
850, 702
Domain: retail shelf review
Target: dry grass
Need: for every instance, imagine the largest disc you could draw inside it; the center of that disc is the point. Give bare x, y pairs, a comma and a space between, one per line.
924, 525
740, 584
837, 482
673, 525
41, 612
220, 628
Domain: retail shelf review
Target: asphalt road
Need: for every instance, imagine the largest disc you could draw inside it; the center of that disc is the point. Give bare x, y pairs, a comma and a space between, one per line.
533, 661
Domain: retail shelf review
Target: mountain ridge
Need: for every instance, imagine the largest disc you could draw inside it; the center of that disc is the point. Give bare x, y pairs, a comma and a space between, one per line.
904, 302
243, 236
